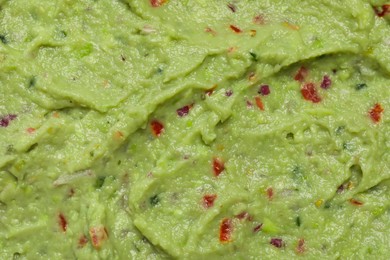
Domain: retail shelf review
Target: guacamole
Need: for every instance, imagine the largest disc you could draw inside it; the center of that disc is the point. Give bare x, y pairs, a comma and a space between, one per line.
166, 129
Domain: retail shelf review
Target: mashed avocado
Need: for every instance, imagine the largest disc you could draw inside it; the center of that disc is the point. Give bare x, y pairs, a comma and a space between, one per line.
160, 129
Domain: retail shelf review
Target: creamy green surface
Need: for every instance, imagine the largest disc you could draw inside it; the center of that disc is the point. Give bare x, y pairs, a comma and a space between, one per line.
81, 83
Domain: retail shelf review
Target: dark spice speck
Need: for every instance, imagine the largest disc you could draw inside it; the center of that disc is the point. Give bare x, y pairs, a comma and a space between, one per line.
298, 221
17, 255
360, 86
3, 39
290, 136
232, 7
154, 200
63, 34
32, 147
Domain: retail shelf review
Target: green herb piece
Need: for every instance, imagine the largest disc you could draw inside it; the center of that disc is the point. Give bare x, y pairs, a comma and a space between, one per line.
290, 136
3, 39
339, 130
100, 181
298, 221
254, 56
32, 82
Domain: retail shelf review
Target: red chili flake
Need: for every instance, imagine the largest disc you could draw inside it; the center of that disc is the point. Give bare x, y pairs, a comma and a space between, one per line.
211, 90
208, 200
277, 242
218, 166
257, 228
118, 135
183, 111
228, 93
259, 103
4, 121
258, 19
83, 240
270, 193
62, 222
157, 3
382, 10
301, 246
31, 130
326, 82
355, 202
242, 215
235, 29
209, 30
225, 230
157, 127
264, 90
376, 113
232, 49
232, 7
301, 74
98, 236
309, 92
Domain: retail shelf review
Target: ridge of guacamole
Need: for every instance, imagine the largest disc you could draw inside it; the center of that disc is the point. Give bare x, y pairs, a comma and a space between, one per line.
166, 129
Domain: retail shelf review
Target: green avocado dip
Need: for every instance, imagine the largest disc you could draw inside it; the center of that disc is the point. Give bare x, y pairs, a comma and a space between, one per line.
203, 129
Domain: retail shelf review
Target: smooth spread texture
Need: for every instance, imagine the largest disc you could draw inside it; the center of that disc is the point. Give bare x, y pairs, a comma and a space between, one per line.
137, 129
